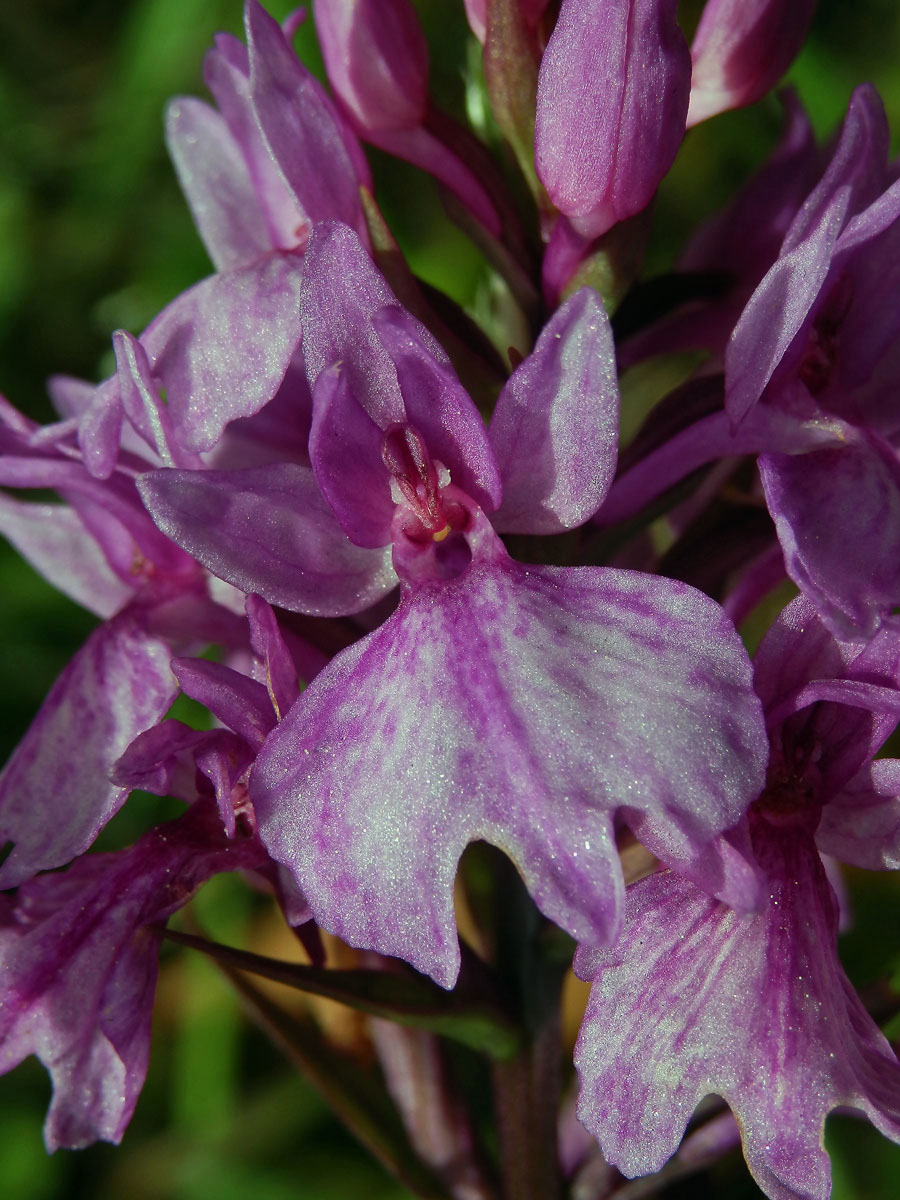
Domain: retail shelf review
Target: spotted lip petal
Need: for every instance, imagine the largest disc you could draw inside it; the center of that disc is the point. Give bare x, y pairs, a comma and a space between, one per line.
522, 706
696, 999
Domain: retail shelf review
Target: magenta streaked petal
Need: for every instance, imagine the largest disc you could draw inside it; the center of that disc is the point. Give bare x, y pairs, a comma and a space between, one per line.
53, 539
215, 179
556, 424
611, 106
741, 49
78, 963
837, 513
268, 530
306, 137
524, 706
438, 406
696, 999
222, 348
55, 794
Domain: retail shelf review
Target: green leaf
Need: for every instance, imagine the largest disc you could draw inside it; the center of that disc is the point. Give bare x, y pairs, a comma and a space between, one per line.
402, 996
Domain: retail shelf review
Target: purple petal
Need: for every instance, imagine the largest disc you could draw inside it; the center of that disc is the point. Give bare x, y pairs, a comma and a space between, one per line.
777, 311
697, 999
858, 166
612, 100
741, 49
445, 163
744, 239
279, 432
227, 75
100, 430
167, 758
267, 642
556, 424
342, 291
70, 397
78, 964
55, 796
305, 134
438, 406
215, 179
222, 348
861, 825
520, 705
53, 539
111, 512
345, 449
268, 530
142, 404
377, 61
234, 699
837, 513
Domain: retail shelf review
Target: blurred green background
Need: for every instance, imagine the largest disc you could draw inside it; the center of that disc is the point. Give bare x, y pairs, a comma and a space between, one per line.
94, 236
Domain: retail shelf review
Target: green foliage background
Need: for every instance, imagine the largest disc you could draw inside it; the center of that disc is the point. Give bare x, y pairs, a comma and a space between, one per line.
94, 236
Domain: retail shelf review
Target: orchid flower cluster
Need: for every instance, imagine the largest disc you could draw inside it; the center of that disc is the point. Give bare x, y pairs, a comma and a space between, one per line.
426, 603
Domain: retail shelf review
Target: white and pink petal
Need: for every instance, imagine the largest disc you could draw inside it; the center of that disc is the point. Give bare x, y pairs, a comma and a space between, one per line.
524, 706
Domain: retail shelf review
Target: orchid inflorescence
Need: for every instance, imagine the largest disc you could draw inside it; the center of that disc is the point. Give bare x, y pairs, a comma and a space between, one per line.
426, 603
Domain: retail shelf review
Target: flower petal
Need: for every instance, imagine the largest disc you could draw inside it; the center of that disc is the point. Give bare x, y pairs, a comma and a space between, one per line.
522, 706
555, 428
342, 291
55, 794
215, 179
307, 139
52, 537
268, 530
696, 999
612, 101
837, 514
222, 348
78, 965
